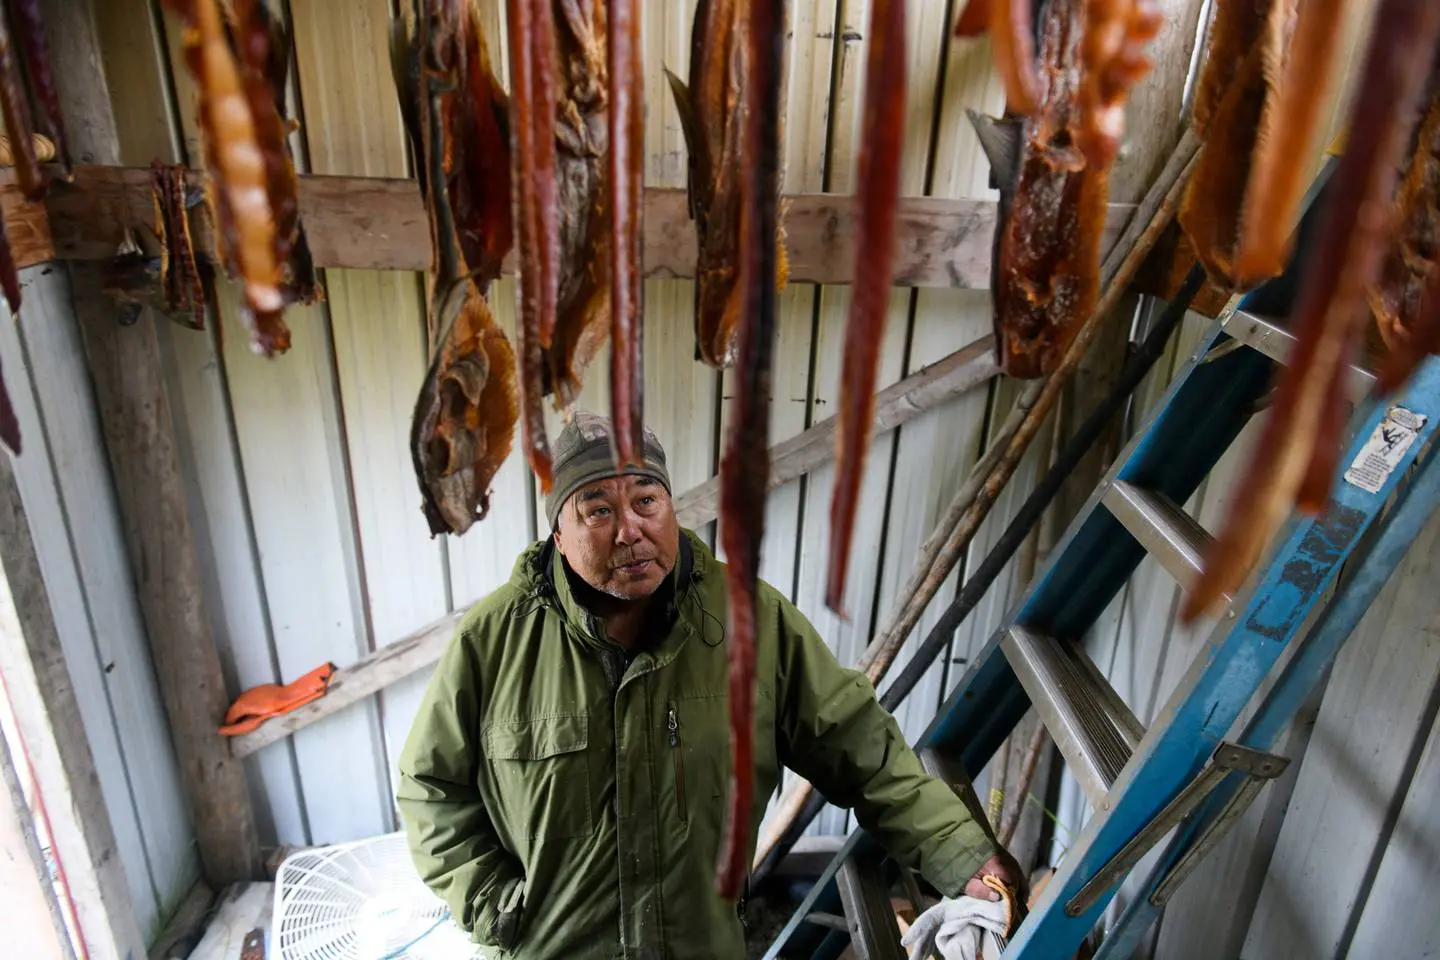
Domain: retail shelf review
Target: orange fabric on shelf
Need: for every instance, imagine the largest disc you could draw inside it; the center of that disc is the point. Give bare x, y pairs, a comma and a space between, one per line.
258, 704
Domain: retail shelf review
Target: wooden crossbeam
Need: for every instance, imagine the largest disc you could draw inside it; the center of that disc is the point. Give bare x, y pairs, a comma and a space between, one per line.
379, 224
923, 390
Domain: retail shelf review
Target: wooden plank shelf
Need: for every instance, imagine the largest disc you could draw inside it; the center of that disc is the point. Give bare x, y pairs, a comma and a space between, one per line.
378, 223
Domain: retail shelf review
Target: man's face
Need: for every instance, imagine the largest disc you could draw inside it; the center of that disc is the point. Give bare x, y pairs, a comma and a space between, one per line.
620, 535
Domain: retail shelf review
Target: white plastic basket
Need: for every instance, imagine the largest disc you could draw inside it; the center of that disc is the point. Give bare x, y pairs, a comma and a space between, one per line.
361, 901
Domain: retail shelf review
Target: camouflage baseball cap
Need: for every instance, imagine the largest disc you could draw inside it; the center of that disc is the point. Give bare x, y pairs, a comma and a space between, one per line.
581, 455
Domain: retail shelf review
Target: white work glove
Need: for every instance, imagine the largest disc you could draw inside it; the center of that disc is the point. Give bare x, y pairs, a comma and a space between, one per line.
963, 928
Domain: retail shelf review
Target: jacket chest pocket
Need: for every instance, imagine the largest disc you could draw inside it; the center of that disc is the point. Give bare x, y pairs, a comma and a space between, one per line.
542, 774
697, 740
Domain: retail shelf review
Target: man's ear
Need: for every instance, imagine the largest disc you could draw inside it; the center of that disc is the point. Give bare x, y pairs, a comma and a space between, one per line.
556, 534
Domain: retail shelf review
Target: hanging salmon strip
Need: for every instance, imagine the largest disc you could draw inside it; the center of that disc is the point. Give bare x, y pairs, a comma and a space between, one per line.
745, 468
876, 201
626, 173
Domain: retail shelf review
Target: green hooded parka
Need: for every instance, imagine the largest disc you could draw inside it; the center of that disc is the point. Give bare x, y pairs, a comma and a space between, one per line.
565, 798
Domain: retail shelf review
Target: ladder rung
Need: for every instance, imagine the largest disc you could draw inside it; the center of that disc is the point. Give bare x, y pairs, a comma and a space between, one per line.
1166, 531
1276, 343
1092, 726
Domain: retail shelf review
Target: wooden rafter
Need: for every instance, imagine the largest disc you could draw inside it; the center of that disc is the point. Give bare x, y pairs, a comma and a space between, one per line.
379, 224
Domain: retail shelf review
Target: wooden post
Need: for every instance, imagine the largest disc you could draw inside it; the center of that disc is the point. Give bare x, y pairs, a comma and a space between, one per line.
36, 682
135, 412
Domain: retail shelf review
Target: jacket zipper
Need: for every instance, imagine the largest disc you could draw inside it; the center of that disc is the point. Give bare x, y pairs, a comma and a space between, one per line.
673, 723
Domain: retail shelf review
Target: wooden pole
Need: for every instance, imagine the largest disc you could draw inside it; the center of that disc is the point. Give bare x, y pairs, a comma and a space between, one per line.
136, 415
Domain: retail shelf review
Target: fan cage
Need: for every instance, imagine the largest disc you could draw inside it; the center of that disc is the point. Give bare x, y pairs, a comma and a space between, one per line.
361, 901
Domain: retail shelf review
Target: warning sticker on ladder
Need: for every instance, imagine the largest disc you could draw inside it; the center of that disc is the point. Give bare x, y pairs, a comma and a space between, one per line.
1384, 450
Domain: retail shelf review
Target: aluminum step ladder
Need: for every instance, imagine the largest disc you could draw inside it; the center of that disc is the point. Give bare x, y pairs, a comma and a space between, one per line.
1142, 783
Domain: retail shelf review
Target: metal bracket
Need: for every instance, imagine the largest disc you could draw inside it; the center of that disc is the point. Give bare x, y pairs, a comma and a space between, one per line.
874, 934
1256, 767
1208, 840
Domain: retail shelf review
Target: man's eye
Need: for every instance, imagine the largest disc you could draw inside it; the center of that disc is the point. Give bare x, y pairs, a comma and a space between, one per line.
647, 500
599, 511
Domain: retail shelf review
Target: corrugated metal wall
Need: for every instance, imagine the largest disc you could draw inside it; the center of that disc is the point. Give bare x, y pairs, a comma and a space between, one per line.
315, 548
64, 481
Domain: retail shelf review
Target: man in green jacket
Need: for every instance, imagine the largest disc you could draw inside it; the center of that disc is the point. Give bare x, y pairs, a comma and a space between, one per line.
564, 784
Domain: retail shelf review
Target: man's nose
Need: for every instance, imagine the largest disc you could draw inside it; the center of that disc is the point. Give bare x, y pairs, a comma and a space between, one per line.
628, 530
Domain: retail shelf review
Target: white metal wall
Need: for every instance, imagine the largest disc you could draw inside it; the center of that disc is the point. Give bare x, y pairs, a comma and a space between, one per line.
64, 480
315, 548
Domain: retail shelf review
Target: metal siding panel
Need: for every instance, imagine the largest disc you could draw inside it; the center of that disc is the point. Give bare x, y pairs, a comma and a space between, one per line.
41, 493
1377, 706
287, 422
352, 126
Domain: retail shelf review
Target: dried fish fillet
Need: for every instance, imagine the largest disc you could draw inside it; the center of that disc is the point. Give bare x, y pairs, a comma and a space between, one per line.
1166, 267
458, 121
581, 197
712, 115
1234, 115
1423, 339
1278, 170
464, 421
424, 58
478, 161
1397, 296
239, 188
180, 282
1045, 273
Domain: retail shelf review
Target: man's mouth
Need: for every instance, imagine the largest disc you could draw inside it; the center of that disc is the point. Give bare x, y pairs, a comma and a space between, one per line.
634, 566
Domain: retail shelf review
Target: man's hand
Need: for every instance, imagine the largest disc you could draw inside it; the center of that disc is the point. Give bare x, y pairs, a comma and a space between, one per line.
1003, 867
964, 929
